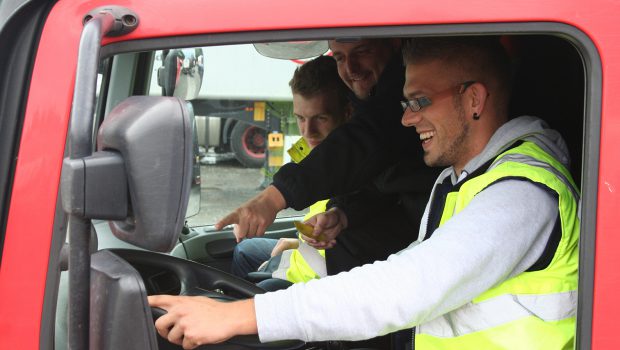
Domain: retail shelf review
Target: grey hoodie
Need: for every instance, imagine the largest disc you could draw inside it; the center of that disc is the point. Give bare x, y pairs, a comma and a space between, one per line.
523, 128
501, 233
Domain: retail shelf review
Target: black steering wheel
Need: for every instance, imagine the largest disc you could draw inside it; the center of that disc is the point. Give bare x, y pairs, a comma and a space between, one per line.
166, 274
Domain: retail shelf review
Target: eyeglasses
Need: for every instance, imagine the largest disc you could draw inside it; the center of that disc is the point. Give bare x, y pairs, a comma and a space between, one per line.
417, 103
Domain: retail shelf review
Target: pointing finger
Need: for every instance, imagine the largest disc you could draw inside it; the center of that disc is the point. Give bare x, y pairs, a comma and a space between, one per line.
232, 218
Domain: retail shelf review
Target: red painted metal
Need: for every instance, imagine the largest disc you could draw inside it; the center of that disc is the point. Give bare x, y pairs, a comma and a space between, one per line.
35, 189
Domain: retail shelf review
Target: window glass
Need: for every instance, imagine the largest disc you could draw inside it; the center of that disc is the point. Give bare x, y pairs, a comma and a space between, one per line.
239, 98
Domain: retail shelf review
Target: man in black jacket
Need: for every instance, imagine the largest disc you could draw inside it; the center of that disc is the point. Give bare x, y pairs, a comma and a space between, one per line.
361, 161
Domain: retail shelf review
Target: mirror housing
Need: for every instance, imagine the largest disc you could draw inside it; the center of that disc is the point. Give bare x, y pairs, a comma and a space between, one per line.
181, 73
154, 137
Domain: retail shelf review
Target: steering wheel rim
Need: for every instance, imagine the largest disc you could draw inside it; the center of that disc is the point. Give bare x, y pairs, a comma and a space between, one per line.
198, 279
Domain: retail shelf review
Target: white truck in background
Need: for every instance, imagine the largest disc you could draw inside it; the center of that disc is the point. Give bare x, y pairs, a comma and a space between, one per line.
241, 96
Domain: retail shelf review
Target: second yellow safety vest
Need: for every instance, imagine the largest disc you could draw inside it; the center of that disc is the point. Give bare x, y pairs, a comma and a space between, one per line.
296, 265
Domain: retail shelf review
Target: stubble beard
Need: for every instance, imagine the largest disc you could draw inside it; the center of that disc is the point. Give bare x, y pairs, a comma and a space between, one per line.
454, 147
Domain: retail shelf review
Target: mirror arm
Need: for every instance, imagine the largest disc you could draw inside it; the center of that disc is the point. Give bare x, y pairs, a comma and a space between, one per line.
96, 26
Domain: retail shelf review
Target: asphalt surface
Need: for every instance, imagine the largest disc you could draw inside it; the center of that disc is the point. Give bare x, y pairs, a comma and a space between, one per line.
225, 186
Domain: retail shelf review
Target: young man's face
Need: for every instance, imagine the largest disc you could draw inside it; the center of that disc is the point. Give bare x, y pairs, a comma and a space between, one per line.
443, 127
361, 63
317, 116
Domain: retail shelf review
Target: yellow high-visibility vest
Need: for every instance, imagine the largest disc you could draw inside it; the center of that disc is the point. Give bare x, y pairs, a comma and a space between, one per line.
535, 309
295, 264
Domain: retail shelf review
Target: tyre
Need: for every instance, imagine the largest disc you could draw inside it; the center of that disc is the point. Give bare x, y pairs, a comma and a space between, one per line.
248, 143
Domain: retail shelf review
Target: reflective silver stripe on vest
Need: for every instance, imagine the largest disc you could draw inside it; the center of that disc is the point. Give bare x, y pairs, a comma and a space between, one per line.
315, 260
520, 158
501, 310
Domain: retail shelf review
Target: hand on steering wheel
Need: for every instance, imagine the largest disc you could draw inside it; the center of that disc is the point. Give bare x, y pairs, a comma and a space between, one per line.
192, 321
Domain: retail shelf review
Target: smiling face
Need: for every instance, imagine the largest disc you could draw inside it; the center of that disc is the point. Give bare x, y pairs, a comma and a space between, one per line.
361, 63
445, 131
317, 116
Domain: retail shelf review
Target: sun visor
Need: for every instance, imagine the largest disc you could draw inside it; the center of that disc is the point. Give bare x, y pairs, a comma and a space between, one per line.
292, 50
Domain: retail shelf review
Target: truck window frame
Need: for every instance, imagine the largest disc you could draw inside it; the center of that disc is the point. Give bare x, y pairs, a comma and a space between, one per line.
591, 127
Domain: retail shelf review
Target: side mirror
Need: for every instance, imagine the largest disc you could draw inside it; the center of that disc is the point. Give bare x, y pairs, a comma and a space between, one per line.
181, 73
154, 138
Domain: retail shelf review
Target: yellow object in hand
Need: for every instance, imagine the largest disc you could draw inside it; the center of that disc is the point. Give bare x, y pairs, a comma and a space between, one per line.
307, 230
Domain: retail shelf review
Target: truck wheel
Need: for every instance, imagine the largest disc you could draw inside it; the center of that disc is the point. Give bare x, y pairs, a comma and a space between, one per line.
248, 143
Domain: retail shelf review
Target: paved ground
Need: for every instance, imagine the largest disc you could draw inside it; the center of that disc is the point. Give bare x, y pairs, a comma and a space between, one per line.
224, 187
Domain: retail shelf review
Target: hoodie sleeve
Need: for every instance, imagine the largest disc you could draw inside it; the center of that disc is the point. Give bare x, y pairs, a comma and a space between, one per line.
466, 256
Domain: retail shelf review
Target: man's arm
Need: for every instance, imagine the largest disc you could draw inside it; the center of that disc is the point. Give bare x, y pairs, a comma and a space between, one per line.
349, 158
469, 254
284, 244
495, 237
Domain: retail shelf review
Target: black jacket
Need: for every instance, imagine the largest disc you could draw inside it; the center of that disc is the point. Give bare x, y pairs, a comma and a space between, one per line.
383, 217
372, 167
356, 152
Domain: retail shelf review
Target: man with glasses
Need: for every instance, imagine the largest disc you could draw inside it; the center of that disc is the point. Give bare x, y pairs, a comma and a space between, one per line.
495, 263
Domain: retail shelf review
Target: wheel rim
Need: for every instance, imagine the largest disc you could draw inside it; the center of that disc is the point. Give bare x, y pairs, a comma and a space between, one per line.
254, 141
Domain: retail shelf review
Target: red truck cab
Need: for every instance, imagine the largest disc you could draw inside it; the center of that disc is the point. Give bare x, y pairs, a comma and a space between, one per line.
565, 50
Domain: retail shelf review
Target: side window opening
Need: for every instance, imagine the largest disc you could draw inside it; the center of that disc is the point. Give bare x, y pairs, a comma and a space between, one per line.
549, 83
